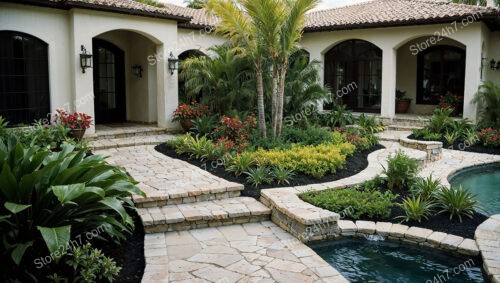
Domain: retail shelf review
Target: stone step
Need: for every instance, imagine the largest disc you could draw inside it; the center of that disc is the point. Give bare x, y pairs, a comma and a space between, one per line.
212, 213
395, 127
147, 139
125, 132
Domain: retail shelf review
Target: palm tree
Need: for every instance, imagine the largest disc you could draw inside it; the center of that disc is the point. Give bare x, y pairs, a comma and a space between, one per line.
225, 80
235, 25
488, 100
194, 4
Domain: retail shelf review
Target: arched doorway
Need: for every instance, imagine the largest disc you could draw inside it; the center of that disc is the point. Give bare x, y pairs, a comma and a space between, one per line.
440, 72
355, 62
109, 82
24, 78
192, 53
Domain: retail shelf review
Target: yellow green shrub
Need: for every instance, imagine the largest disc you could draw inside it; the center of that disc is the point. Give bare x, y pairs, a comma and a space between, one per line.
311, 160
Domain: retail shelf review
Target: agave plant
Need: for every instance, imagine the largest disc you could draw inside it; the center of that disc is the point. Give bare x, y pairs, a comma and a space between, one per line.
416, 209
48, 197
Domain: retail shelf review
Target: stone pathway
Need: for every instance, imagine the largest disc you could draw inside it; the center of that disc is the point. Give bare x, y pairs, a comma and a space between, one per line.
168, 180
488, 240
252, 252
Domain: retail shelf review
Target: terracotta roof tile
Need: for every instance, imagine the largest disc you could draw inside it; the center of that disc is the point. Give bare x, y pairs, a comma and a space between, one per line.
393, 12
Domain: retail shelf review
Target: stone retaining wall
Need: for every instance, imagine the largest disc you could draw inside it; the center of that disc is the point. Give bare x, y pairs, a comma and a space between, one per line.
433, 149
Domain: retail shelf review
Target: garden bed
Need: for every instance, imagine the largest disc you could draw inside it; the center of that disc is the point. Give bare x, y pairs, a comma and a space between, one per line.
461, 145
353, 165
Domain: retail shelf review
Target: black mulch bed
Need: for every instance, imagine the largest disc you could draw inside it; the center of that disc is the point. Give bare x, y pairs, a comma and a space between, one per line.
438, 222
461, 145
129, 254
354, 164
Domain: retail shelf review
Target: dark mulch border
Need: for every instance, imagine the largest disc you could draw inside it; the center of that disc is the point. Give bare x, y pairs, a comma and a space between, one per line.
354, 164
129, 254
462, 146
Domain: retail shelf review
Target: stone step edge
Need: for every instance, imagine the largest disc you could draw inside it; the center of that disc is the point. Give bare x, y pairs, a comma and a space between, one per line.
203, 214
124, 144
163, 198
132, 133
402, 127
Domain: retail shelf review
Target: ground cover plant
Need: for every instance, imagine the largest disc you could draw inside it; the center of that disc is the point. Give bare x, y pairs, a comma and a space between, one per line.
403, 197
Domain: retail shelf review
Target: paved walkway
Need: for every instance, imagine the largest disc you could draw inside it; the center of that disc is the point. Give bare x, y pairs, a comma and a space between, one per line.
252, 252
163, 178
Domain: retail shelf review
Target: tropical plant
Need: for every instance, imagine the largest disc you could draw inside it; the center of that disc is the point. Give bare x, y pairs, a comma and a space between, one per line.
369, 124
241, 163
470, 137
204, 125
488, 100
91, 265
339, 116
461, 126
282, 175
190, 111
3, 127
47, 197
258, 176
225, 79
302, 87
457, 202
309, 136
400, 170
72, 120
426, 188
235, 130
195, 4
154, 3
440, 120
489, 137
416, 208
451, 137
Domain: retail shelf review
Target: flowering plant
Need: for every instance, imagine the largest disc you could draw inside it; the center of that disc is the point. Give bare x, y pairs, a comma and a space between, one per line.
449, 101
236, 131
190, 111
73, 121
489, 137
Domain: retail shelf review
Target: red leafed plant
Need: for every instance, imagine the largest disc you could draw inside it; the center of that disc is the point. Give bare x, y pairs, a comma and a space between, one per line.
234, 132
489, 137
72, 120
190, 111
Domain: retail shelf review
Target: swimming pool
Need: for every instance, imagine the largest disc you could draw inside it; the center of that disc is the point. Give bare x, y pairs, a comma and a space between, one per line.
484, 181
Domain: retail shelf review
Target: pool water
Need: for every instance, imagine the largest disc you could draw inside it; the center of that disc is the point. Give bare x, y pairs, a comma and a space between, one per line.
360, 260
484, 181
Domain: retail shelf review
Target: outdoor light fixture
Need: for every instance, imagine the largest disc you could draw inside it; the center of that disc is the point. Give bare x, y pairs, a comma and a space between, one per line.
498, 65
492, 64
137, 70
85, 59
172, 63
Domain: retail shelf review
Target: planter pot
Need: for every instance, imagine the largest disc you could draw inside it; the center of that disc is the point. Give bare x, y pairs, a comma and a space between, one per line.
186, 124
402, 105
77, 134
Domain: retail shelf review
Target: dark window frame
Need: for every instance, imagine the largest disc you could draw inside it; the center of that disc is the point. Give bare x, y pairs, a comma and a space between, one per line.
24, 78
420, 72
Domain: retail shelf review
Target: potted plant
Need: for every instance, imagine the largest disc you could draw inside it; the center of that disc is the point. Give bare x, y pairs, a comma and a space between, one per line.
78, 123
186, 113
449, 100
402, 103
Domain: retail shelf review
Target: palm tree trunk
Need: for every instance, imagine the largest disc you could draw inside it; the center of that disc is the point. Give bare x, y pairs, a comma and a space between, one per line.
275, 97
260, 101
281, 98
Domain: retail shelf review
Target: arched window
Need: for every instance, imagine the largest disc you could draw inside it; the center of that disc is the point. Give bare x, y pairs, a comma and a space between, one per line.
24, 78
441, 70
355, 63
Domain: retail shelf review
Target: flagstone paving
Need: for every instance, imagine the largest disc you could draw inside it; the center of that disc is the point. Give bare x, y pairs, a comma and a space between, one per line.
251, 252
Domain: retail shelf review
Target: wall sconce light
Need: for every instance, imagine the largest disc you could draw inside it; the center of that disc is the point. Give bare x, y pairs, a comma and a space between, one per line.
172, 63
85, 59
492, 64
137, 69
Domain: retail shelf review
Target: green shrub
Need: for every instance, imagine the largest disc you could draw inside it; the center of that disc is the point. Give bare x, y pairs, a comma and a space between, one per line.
369, 124
46, 197
432, 137
311, 160
359, 138
282, 175
400, 170
355, 203
440, 120
461, 126
471, 137
339, 116
196, 147
241, 163
426, 188
488, 100
451, 137
309, 136
416, 209
91, 265
457, 202
258, 176
3, 127
204, 125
